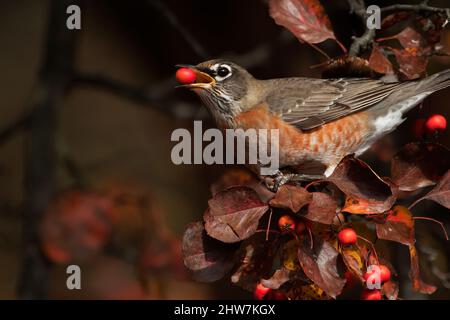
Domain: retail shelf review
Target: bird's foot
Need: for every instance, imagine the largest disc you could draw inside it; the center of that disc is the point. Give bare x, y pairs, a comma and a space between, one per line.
274, 182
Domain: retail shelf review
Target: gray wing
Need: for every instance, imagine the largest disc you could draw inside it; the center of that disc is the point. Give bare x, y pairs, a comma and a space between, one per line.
309, 103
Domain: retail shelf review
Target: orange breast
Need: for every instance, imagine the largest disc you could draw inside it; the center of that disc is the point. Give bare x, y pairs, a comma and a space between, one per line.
327, 144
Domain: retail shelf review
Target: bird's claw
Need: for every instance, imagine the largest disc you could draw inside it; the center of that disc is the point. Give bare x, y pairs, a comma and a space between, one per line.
273, 183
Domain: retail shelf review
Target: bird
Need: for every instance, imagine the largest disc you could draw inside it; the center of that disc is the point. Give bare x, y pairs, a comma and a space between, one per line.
320, 121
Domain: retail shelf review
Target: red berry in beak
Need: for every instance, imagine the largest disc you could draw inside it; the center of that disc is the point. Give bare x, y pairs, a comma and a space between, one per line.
436, 123
185, 76
347, 236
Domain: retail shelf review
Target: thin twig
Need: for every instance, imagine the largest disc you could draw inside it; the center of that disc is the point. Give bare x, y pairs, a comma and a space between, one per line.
319, 50
415, 7
270, 231
311, 238
41, 160
162, 8
14, 127
268, 225
146, 96
434, 220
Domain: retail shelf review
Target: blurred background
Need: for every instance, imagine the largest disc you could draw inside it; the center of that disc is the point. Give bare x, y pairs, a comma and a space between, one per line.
85, 124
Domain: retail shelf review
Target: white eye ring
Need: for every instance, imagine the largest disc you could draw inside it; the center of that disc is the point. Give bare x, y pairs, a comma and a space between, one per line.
216, 67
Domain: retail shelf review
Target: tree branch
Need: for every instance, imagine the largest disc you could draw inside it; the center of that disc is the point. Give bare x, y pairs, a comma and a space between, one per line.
162, 8
14, 127
358, 7
156, 97
41, 159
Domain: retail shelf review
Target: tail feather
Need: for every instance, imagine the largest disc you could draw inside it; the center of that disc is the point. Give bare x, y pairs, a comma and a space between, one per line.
389, 113
435, 82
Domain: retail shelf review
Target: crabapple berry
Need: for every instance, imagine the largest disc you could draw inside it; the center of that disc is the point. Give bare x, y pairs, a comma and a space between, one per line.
286, 223
260, 291
185, 76
347, 236
436, 123
368, 294
385, 273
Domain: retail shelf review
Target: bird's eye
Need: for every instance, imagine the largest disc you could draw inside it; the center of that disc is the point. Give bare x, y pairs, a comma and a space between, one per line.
223, 71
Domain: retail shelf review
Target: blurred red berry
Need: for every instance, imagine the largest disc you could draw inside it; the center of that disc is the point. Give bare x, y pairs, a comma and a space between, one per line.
418, 128
385, 273
347, 236
185, 76
286, 223
436, 123
260, 291
371, 294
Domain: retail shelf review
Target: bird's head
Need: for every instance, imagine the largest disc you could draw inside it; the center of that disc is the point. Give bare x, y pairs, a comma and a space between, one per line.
222, 86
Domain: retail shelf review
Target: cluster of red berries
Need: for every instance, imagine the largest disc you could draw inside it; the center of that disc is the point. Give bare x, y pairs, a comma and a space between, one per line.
432, 126
348, 236
288, 224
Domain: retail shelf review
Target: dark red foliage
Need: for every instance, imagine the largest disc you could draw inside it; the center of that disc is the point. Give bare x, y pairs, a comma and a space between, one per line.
233, 214
418, 283
419, 164
366, 192
320, 265
208, 259
398, 226
291, 198
306, 19
322, 208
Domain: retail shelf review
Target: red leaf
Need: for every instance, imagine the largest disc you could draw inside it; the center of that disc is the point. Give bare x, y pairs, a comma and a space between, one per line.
414, 273
352, 258
322, 208
417, 40
392, 19
412, 63
291, 197
418, 165
399, 226
233, 214
241, 177
378, 61
320, 265
306, 19
208, 259
282, 276
440, 193
390, 290
366, 192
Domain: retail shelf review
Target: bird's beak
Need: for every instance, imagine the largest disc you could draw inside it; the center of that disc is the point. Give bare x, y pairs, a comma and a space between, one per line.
202, 81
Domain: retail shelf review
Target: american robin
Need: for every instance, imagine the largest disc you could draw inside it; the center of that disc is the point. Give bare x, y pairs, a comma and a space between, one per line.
320, 121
